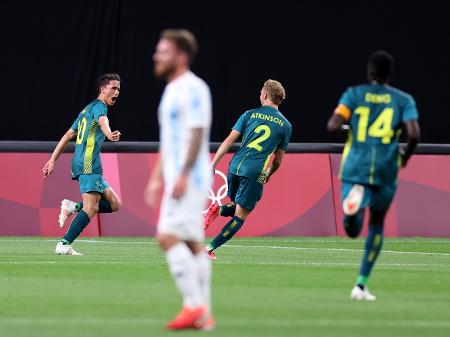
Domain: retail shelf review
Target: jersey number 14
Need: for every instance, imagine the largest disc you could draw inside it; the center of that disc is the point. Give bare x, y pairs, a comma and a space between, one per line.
380, 128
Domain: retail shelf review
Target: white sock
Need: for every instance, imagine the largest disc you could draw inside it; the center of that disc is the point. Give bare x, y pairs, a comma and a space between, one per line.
184, 271
204, 275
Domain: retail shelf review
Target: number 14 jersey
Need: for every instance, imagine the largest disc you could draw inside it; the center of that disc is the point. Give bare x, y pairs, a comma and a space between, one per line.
263, 131
376, 114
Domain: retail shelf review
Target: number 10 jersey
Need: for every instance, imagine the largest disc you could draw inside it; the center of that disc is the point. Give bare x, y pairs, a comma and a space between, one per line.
86, 159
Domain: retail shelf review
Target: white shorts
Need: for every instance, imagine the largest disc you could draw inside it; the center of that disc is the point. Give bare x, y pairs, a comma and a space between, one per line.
183, 217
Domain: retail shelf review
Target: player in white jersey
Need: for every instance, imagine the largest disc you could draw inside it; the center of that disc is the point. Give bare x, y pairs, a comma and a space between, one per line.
183, 165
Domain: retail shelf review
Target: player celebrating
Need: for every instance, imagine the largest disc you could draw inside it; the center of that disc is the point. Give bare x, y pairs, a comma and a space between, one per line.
376, 113
264, 131
183, 163
90, 129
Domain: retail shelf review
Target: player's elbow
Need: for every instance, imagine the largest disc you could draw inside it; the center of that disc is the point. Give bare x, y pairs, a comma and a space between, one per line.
413, 133
333, 126
415, 136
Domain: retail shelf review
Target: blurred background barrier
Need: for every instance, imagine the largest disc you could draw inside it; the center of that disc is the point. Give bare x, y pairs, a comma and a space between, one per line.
302, 199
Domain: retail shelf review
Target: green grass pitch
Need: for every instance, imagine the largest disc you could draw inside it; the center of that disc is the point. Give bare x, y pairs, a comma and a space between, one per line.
261, 287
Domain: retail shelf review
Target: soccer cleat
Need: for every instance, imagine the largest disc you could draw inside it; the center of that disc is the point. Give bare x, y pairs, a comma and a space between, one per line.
359, 294
211, 214
211, 254
65, 250
352, 202
188, 318
209, 324
68, 207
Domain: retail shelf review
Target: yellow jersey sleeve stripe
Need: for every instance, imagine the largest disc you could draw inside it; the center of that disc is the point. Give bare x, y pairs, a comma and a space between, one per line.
343, 111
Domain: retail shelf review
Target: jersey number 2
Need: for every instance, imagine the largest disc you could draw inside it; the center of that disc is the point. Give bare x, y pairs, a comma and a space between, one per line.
380, 128
81, 130
266, 134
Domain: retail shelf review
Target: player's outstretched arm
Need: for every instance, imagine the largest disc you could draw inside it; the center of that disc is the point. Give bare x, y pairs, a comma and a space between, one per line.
413, 138
104, 125
50, 165
276, 163
225, 147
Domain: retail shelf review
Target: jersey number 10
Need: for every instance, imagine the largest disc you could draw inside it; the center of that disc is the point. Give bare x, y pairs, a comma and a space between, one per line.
81, 130
380, 128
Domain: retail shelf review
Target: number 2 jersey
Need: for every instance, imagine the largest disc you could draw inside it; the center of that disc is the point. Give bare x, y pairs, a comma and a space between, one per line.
86, 159
263, 131
376, 114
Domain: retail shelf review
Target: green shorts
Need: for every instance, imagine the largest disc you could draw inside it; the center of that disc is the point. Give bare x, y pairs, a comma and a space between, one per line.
92, 183
378, 198
244, 192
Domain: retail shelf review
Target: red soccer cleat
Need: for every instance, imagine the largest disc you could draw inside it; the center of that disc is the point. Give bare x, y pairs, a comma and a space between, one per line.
188, 318
211, 214
209, 323
211, 255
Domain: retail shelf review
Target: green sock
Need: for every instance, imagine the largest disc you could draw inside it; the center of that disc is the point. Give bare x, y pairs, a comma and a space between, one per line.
227, 232
362, 280
65, 242
374, 242
228, 209
76, 227
103, 206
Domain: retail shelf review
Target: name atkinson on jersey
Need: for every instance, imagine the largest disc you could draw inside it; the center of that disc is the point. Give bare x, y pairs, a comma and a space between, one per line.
265, 117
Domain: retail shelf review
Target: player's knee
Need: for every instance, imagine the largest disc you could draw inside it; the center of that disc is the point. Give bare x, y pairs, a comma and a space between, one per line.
91, 210
166, 241
116, 205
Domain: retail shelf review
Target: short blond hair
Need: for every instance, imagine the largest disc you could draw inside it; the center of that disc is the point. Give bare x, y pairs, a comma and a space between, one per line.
183, 39
275, 91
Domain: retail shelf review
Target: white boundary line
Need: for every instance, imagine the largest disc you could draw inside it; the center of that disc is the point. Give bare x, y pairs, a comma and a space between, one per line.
245, 246
77, 260
230, 323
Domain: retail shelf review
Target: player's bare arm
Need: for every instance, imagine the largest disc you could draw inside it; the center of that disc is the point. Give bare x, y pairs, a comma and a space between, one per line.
276, 163
153, 188
60, 147
225, 147
113, 136
336, 123
413, 138
194, 147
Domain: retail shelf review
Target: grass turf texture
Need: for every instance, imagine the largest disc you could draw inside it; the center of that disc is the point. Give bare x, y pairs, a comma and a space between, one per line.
261, 287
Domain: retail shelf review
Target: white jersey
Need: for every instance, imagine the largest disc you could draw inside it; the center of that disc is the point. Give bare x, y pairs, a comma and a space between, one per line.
185, 104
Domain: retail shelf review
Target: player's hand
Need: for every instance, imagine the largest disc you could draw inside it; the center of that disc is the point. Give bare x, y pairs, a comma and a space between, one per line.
180, 186
48, 168
151, 192
115, 136
267, 177
403, 159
